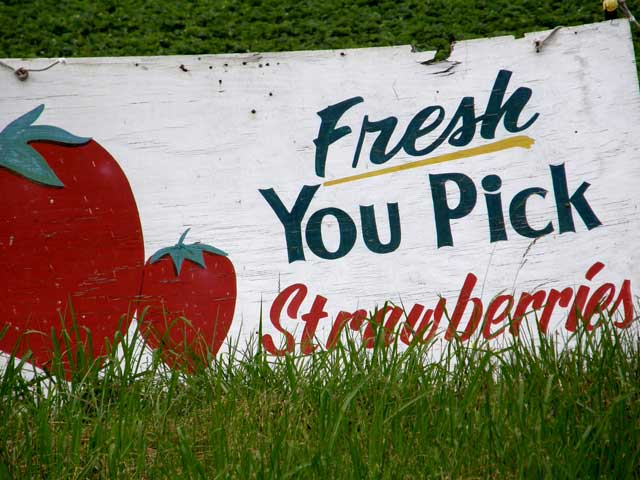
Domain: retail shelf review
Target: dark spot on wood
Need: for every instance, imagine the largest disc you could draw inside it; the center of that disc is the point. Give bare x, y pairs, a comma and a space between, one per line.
226, 64
260, 65
267, 64
342, 54
244, 63
183, 68
271, 94
210, 67
253, 110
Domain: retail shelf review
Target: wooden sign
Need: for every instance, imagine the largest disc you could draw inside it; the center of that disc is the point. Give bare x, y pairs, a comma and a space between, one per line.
482, 197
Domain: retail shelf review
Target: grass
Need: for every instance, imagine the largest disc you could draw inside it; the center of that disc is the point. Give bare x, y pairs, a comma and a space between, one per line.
517, 412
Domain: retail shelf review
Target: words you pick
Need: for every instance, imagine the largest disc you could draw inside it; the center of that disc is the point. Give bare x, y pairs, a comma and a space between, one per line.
458, 132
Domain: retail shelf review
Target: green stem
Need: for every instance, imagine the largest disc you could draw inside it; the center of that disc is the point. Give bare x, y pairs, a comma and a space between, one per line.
182, 237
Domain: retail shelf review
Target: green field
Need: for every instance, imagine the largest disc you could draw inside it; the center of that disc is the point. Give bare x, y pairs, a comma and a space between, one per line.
68, 28
472, 412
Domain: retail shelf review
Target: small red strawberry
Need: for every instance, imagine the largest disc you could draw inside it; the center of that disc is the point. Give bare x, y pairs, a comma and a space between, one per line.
188, 299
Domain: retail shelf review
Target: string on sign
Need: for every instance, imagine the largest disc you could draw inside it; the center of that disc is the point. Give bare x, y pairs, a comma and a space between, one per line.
23, 73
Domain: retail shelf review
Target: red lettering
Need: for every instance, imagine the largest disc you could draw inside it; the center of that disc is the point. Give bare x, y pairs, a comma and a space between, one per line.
298, 291
463, 300
494, 318
554, 298
421, 325
577, 309
437, 316
627, 300
311, 320
598, 303
535, 301
408, 329
377, 321
357, 319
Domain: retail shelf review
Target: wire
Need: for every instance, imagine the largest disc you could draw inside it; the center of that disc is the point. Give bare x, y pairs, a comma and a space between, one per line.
23, 73
627, 12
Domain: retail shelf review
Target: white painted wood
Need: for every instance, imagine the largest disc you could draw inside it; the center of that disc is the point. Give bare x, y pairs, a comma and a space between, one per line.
196, 156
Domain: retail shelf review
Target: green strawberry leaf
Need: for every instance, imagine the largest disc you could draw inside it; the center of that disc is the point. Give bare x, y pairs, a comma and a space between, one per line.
27, 162
52, 134
18, 156
27, 119
181, 252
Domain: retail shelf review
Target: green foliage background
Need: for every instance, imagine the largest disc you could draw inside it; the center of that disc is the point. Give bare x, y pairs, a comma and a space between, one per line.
48, 28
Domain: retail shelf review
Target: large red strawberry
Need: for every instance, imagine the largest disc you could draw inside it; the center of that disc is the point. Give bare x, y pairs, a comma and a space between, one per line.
188, 299
71, 244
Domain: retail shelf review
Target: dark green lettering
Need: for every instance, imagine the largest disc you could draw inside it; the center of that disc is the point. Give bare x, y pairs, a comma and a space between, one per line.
347, 233
328, 132
510, 110
442, 212
518, 214
291, 220
370, 229
577, 200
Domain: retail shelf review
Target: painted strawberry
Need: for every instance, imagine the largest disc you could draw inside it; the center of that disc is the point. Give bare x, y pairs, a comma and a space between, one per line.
70, 240
188, 299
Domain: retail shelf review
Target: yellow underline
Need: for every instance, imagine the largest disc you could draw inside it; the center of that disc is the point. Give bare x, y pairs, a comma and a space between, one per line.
521, 141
